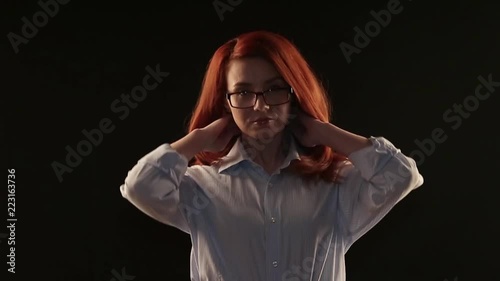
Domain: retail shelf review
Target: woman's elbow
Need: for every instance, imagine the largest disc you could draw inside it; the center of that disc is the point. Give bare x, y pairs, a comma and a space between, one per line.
411, 177
129, 191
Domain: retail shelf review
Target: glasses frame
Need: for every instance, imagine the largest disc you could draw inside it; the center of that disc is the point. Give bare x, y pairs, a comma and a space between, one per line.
261, 93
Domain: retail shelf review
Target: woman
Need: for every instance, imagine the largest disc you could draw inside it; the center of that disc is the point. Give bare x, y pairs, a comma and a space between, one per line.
266, 187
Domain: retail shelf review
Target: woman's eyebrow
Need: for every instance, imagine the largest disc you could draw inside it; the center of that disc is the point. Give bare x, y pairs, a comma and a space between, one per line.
268, 81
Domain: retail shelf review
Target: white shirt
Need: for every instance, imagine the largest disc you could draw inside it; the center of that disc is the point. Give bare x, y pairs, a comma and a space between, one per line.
245, 224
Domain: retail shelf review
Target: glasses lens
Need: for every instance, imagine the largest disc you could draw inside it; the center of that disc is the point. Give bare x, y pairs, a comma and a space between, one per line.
243, 99
272, 97
276, 96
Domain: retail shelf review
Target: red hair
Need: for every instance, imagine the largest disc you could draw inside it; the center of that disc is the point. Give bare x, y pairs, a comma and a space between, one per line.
316, 162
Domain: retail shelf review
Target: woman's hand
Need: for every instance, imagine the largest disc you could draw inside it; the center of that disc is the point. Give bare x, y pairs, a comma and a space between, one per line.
217, 134
308, 131
213, 138
311, 132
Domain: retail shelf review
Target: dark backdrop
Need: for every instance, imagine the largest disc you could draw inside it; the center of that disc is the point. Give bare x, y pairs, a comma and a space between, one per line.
405, 84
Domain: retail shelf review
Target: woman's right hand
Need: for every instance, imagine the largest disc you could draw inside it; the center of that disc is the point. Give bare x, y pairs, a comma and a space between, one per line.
213, 138
217, 134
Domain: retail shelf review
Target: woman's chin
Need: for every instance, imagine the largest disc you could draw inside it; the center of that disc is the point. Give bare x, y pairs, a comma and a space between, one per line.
261, 134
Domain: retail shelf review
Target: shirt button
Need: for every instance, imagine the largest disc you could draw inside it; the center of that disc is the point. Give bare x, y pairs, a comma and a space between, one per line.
275, 263
273, 220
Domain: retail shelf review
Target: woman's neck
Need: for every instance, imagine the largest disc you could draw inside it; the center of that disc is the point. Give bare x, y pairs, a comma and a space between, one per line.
268, 153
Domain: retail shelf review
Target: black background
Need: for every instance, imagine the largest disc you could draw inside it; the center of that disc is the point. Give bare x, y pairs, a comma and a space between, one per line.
64, 79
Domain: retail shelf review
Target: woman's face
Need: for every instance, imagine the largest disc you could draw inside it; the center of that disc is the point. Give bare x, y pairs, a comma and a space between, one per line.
256, 75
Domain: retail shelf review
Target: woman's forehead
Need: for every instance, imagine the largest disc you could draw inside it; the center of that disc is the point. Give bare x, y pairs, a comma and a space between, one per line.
250, 71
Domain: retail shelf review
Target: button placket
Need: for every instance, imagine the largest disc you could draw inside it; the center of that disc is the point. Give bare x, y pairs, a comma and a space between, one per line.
273, 226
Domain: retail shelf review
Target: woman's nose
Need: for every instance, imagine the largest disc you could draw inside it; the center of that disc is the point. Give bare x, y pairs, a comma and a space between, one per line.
260, 104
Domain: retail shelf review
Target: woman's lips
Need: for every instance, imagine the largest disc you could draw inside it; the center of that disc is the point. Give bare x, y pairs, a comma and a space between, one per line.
262, 121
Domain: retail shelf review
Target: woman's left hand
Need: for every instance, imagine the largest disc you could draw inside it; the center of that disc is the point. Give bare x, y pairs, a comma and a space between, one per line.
307, 130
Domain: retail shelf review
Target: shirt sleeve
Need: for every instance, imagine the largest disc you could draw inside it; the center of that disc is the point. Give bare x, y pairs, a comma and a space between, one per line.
375, 180
153, 186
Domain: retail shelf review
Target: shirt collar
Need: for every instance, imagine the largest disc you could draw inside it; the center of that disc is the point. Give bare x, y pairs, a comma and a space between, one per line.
238, 154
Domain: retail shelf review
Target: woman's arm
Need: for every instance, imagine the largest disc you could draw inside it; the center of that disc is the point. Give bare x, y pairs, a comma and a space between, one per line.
340, 140
157, 183
312, 132
376, 179
190, 144
154, 184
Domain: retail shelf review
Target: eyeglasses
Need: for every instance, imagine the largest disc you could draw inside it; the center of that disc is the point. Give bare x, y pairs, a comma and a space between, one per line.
272, 97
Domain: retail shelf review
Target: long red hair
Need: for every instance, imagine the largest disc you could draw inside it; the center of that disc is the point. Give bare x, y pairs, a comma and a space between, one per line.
319, 162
